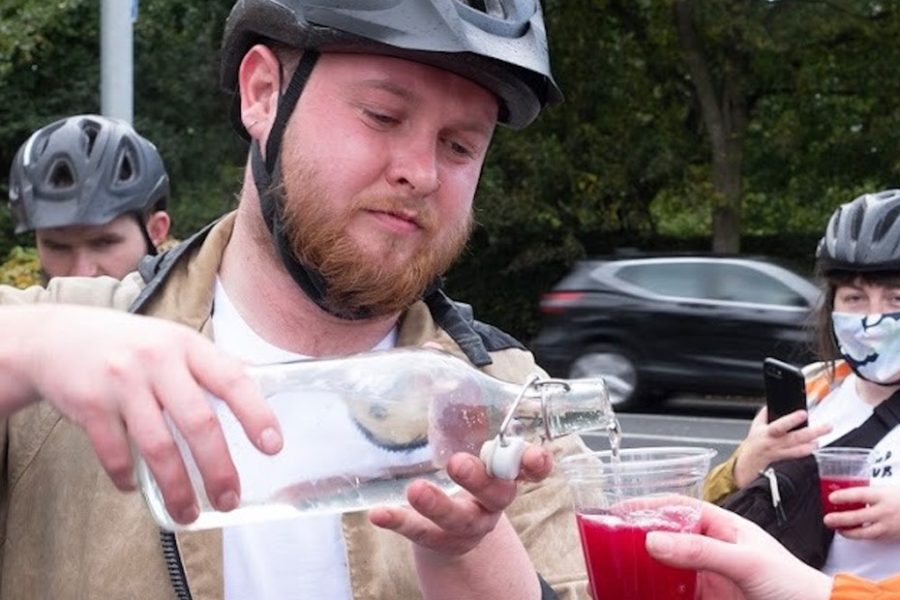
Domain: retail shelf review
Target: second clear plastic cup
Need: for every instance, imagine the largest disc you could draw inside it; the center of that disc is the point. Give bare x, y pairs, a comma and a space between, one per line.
617, 502
841, 468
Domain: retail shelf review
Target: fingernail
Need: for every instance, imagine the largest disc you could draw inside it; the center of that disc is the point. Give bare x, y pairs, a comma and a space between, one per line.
659, 543
227, 501
270, 441
189, 515
427, 499
466, 468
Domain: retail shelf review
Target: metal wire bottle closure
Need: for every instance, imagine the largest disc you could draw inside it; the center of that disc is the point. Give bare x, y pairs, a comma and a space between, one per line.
540, 384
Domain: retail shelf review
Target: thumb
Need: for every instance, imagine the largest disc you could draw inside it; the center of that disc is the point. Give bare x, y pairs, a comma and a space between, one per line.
692, 551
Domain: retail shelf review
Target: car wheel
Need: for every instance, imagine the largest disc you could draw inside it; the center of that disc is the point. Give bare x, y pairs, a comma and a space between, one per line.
617, 368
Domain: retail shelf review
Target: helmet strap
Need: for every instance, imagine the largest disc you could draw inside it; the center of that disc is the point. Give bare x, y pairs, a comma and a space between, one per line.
286, 105
268, 170
152, 250
307, 278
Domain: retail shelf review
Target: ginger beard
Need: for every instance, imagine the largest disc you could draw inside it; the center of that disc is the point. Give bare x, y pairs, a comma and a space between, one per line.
356, 279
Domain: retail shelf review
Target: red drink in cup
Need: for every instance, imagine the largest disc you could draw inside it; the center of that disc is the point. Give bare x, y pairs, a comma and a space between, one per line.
620, 497
842, 468
619, 567
833, 484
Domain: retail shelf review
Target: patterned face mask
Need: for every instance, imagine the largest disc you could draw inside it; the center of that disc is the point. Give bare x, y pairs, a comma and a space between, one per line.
870, 344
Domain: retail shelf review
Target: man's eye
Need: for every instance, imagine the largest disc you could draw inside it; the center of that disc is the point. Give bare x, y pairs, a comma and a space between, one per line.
460, 149
382, 118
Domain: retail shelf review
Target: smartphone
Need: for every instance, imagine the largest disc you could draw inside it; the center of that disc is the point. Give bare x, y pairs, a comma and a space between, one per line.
785, 388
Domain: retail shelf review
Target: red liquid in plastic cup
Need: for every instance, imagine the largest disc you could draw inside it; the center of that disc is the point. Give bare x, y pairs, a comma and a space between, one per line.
832, 484
618, 565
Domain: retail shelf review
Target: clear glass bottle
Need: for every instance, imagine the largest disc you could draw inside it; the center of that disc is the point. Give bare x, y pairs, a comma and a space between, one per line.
358, 429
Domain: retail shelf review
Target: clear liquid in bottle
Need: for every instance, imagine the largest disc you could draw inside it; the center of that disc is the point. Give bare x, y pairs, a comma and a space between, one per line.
357, 430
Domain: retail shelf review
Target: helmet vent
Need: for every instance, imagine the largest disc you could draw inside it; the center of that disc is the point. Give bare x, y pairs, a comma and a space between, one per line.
888, 221
856, 221
125, 172
61, 176
90, 138
490, 7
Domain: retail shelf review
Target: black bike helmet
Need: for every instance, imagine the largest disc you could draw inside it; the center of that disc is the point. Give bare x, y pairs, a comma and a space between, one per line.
85, 170
862, 235
499, 44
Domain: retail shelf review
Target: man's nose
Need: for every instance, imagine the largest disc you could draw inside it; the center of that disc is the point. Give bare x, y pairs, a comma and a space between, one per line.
414, 165
84, 265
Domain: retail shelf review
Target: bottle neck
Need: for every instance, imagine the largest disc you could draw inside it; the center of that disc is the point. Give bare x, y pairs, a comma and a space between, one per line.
553, 408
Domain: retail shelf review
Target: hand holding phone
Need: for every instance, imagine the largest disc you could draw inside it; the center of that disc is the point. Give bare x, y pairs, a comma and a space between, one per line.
785, 389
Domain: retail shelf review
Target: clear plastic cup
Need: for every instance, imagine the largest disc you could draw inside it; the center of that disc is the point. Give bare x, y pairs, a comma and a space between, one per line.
617, 502
841, 468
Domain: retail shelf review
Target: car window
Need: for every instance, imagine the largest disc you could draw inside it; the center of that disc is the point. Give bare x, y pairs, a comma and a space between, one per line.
711, 281
685, 280
740, 283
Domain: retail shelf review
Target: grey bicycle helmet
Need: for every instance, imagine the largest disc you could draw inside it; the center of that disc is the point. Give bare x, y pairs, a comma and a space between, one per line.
862, 235
499, 44
85, 170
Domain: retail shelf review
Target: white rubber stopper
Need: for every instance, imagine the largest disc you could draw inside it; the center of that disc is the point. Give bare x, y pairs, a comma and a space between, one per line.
503, 462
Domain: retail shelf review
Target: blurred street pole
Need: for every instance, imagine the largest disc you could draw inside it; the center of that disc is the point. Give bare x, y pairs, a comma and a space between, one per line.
117, 58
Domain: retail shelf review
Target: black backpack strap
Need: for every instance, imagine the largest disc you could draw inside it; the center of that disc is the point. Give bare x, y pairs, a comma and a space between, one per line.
884, 418
475, 338
155, 269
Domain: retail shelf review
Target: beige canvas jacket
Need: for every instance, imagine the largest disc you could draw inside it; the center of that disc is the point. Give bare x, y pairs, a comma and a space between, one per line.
68, 533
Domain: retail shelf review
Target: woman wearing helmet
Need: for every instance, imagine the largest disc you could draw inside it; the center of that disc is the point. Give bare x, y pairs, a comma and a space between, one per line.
94, 192
858, 260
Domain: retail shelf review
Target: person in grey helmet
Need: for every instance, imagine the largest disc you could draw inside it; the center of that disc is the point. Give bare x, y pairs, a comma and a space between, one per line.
368, 123
858, 259
94, 192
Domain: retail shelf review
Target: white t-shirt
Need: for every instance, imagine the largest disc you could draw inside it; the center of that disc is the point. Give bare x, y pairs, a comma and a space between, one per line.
844, 410
297, 558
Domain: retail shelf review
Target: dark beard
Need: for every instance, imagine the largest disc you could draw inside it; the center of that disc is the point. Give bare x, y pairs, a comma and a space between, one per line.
356, 281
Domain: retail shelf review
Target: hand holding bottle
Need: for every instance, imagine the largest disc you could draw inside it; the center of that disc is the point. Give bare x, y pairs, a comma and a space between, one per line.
453, 525
121, 377
463, 544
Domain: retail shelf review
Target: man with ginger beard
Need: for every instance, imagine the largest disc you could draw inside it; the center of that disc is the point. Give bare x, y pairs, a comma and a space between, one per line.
383, 284
368, 130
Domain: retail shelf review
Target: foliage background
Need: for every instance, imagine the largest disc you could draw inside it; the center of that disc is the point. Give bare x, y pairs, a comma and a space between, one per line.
626, 161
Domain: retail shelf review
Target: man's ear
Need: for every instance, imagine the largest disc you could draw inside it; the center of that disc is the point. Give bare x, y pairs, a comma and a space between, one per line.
259, 81
158, 224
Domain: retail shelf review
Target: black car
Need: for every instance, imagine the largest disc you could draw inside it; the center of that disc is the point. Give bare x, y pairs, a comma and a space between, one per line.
653, 326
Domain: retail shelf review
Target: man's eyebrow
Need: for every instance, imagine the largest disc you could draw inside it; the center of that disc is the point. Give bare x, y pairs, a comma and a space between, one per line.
408, 96
387, 86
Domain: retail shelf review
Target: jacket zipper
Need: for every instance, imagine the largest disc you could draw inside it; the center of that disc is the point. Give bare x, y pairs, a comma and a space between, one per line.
174, 565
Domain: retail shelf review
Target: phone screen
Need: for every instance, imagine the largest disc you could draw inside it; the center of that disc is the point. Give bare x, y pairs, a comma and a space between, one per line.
785, 388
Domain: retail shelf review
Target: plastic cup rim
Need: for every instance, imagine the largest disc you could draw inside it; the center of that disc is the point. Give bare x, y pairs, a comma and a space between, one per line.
842, 451
681, 456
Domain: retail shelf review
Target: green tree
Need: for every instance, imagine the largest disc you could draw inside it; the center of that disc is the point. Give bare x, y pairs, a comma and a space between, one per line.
775, 75
685, 121
49, 69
